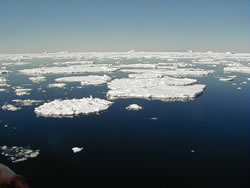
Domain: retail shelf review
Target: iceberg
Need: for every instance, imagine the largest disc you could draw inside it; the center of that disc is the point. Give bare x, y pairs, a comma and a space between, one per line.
18, 154
86, 80
72, 107
134, 107
166, 89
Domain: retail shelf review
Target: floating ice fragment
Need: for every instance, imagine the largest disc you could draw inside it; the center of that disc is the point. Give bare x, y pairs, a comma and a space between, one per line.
37, 79
10, 107
134, 107
70, 108
76, 149
59, 85
18, 154
229, 78
86, 80
27, 102
22, 91
239, 88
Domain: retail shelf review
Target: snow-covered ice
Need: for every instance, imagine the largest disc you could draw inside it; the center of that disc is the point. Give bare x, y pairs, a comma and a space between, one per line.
18, 154
238, 68
134, 107
86, 80
72, 107
167, 89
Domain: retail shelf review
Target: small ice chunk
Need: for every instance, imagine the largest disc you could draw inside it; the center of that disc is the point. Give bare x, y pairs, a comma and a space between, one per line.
37, 79
26, 102
243, 82
154, 118
22, 91
72, 107
239, 88
18, 154
76, 149
58, 85
228, 79
134, 107
10, 107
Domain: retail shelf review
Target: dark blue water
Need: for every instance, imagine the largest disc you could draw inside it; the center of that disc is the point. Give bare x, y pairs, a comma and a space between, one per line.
127, 148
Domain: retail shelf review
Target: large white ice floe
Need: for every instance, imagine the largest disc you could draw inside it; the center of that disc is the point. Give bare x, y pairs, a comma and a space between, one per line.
69, 69
18, 154
86, 80
134, 107
167, 89
10, 107
72, 107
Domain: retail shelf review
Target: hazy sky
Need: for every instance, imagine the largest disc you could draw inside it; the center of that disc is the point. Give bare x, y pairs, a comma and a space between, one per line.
122, 25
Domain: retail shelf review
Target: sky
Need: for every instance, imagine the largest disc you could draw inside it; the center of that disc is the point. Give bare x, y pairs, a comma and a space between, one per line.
121, 25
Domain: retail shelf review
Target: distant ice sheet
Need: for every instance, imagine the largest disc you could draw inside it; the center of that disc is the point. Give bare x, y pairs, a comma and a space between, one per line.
26, 102
72, 107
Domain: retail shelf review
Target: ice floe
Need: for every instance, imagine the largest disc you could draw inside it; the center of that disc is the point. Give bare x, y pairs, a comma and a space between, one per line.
228, 79
37, 79
27, 102
176, 73
10, 107
76, 149
86, 80
58, 85
18, 154
134, 107
72, 107
22, 91
167, 89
